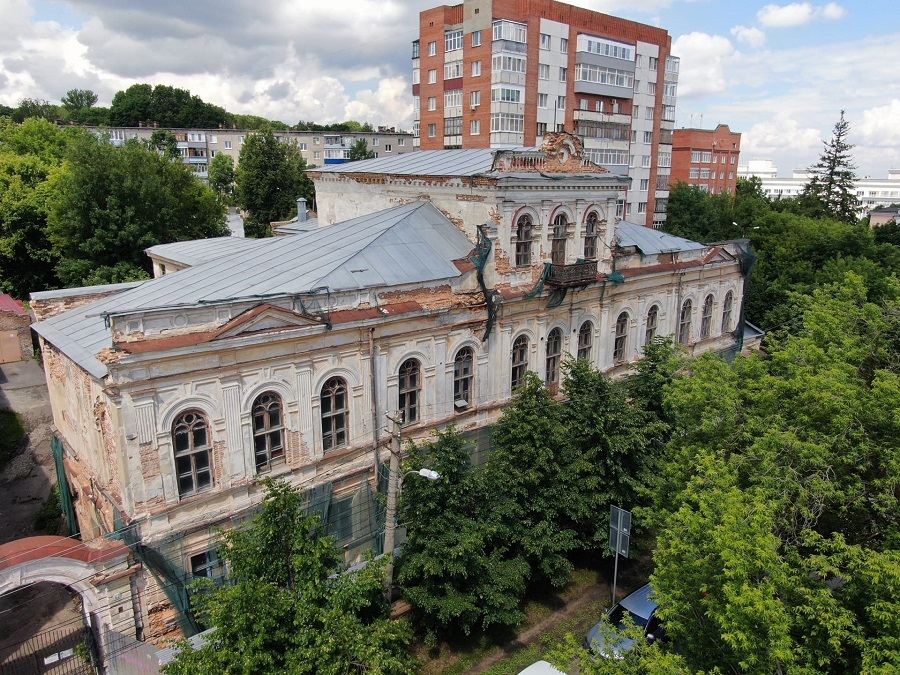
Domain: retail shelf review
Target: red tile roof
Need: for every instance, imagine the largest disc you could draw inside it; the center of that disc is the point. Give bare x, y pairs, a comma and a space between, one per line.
8, 304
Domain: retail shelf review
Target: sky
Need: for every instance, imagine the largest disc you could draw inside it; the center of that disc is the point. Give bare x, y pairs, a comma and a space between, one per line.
779, 73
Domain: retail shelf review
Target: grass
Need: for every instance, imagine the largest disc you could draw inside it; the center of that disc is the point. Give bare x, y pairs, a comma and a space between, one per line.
458, 659
11, 433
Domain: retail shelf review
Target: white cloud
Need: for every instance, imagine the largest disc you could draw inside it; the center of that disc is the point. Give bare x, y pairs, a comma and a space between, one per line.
778, 136
748, 35
798, 14
702, 63
880, 125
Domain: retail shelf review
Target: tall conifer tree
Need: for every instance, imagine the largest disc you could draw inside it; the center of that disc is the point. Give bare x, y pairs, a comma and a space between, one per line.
832, 186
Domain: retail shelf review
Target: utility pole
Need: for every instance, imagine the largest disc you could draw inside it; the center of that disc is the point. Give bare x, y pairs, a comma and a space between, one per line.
390, 525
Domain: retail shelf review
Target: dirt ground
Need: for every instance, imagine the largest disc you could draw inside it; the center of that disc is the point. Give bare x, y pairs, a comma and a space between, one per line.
25, 483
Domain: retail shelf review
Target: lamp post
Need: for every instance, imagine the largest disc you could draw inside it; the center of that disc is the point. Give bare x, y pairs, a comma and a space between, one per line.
395, 485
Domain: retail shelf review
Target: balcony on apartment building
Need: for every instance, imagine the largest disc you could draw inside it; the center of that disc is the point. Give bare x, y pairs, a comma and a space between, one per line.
580, 273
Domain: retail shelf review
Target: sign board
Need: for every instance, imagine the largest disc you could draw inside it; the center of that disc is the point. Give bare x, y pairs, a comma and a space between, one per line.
619, 530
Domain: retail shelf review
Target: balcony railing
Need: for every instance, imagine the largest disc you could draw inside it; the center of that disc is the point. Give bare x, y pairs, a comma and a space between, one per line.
576, 274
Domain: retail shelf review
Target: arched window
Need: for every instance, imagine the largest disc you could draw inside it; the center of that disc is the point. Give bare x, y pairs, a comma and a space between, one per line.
190, 436
652, 324
726, 312
268, 430
590, 236
585, 341
463, 375
335, 414
684, 322
706, 317
519, 361
558, 245
409, 391
554, 351
621, 338
523, 241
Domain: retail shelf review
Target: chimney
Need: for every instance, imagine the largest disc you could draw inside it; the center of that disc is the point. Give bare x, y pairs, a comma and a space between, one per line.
301, 210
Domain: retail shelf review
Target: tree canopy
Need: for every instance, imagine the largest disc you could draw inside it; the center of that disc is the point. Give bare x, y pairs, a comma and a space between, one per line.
360, 150
831, 191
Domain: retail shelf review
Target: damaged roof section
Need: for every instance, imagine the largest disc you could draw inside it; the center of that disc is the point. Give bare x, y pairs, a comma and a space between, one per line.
653, 242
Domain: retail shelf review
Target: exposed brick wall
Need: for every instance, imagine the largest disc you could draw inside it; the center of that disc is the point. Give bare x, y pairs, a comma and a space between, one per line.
20, 323
721, 143
45, 309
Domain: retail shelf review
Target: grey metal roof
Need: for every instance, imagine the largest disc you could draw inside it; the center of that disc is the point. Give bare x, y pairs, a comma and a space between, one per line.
650, 241
422, 163
198, 251
403, 245
295, 227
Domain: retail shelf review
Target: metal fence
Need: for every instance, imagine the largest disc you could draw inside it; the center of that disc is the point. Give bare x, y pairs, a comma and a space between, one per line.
61, 651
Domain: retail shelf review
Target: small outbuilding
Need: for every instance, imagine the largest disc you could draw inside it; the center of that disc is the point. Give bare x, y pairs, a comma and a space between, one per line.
15, 331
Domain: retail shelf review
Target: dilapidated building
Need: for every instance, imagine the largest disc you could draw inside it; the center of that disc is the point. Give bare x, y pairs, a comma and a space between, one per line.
429, 284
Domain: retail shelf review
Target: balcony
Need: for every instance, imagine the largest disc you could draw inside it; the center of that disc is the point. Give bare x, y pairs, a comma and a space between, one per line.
569, 276
591, 116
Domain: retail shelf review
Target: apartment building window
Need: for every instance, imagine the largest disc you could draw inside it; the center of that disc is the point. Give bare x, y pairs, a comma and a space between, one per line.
616, 50
653, 62
317, 155
190, 438
303, 146
453, 126
635, 111
695, 172
432, 76
583, 104
695, 156
506, 94
543, 71
668, 113
401, 142
631, 162
509, 30
558, 244
387, 147
561, 102
639, 61
476, 68
409, 384
670, 89
417, 75
474, 127
432, 48
212, 153
648, 113
562, 74
730, 175
684, 322
664, 160
642, 207
476, 38
651, 88
645, 161
507, 122
554, 352
417, 103
564, 45
586, 72
432, 103
620, 208
453, 69
542, 100
335, 414
560, 127
707, 157
415, 49
585, 341
519, 361
523, 241
652, 324
228, 145
207, 565
417, 128
213, 138
706, 317
510, 64
648, 137
606, 156
590, 236
545, 41
463, 375
476, 99
268, 429
317, 140
453, 40
637, 86
375, 142
432, 130
726, 311
645, 184
704, 174
733, 159
621, 338
453, 98
672, 64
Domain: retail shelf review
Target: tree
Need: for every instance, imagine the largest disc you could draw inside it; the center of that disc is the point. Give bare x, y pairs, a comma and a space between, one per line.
164, 142
221, 175
110, 204
457, 569
35, 107
269, 178
79, 99
360, 150
289, 609
132, 106
832, 188
693, 213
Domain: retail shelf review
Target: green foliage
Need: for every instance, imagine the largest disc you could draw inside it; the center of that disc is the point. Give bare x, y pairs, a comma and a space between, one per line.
831, 192
166, 106
286, 610
79, 99
12, 431
269, 178
165, 143
48, 518
695, 214
643, 658
221, 176
360, 150
110, 204
457, 569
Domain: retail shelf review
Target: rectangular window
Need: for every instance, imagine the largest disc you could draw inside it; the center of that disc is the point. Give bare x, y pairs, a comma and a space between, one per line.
664, 159
417, 128
651, 88
721, 175
695, 156
545, 41
417, 76
476, 68
541, 128
432, 48
375, 142
303, 146
510, 64
417, 103
228, 145
715, 159
695, 172
401, 142
476, 38
730, 175
645, 161
453, 40
653, 62
706, 157
620, 208
564, 45
671, 89
734, 159
387, 147
432, 76
415, 50
509, 30
635, 111
453, 126
453, 98
474, 127
586, 72
542, 100
648, 137
645, 184
648, 112
506, 94
634, 136
562, 74
316, 140
560, 102
432, 103
432, 130
207, 565
476, 99
637, 86
616, 50
604, 156
507, 122
642, 207
241, 139
213, 138
583, 105
317, 154
453, 69
668, 113
639, 61
704, 173
543, 71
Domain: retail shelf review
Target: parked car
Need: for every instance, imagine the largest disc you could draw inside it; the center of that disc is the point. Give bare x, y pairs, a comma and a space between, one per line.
542, 668
642, 610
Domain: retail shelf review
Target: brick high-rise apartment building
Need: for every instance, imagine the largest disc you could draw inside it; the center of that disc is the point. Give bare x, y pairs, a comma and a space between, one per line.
706, 157
502, 73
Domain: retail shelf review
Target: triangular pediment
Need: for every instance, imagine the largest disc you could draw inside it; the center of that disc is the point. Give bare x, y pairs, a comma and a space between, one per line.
719, 255
266, 318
